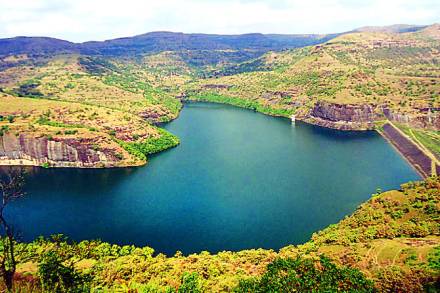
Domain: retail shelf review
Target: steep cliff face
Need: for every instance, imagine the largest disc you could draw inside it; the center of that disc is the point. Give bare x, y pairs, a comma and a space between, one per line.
342, 116
362, 117
36, 151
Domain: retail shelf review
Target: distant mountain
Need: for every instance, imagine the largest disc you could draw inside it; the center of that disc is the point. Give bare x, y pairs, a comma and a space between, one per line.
168, 41
194, 49
34, 45
396, 28
161, 41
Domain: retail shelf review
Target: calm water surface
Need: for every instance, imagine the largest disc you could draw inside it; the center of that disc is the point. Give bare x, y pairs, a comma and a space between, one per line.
238, 180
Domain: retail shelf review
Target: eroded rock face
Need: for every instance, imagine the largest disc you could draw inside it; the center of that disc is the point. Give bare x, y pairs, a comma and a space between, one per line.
27, 150
362, 117
349, 113
341, 116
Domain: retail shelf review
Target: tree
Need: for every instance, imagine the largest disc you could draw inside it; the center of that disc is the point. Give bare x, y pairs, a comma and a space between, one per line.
11, 188
307, 275
57, 277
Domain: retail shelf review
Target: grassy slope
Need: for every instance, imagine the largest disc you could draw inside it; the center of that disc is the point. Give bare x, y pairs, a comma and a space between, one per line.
429, 138
392, 238
401, 70
96, 99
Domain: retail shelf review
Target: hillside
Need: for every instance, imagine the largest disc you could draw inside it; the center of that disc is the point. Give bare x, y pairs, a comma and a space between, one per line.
103, 105
393, 239
350, 81
356, 81
196, 49
396, 28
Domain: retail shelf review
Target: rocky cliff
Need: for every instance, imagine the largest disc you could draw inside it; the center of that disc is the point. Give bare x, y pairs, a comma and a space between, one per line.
342, 116
36, 151
362, 117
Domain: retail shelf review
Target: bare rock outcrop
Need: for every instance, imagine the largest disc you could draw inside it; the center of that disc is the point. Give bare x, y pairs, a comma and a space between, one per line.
69, 152
362, 117
342, 116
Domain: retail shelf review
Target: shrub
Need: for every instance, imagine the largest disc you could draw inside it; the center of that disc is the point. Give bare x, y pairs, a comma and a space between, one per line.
68, 132
434, 259
307, 275
10, 118
4, 129
57, 277
190, 283
150, 146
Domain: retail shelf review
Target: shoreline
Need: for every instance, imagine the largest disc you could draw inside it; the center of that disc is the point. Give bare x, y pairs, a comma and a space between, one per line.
409, 150
422, 176
347, 126
343, 126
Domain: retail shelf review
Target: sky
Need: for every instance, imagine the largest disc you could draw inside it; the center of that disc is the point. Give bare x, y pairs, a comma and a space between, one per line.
85, 20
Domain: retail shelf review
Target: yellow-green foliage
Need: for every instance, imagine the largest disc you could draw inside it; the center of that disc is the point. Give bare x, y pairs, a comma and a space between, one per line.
412, 212
110, 129
255, 105
399, 70
393, 238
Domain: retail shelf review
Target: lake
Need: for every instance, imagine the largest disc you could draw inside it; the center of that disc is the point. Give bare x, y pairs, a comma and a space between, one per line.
238, 180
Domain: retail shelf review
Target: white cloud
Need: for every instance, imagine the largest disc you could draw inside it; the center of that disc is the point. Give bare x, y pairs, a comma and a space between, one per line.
83, 20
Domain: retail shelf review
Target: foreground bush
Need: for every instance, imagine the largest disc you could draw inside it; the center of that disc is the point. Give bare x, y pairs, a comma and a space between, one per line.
55, 276
306, 275
373, 240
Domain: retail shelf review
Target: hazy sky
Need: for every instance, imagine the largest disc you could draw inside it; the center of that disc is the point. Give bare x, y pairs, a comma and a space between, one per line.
83, 20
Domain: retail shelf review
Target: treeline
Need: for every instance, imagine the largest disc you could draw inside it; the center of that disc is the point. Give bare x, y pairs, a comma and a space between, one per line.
242, 103
63, 266
152, 145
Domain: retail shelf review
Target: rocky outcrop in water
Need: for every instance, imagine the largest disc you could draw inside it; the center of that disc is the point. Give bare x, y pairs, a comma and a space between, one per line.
69, 152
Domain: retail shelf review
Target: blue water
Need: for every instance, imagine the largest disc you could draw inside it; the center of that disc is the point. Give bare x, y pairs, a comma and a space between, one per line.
238, 180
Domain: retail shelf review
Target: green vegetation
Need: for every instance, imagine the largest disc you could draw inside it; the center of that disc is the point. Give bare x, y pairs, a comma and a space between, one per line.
152, 145
428, 138
306, 275
109, 104
4, 129
248, 104
434, 259
55, 276
370, 247
129, 81
45, 120
10, 118
412, 212
64, 266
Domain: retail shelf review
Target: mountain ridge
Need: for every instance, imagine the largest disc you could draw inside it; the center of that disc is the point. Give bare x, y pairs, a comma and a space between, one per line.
157, 41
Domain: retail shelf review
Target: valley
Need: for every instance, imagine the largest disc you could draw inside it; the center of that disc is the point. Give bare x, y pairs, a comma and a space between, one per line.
132, 141
351, 81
